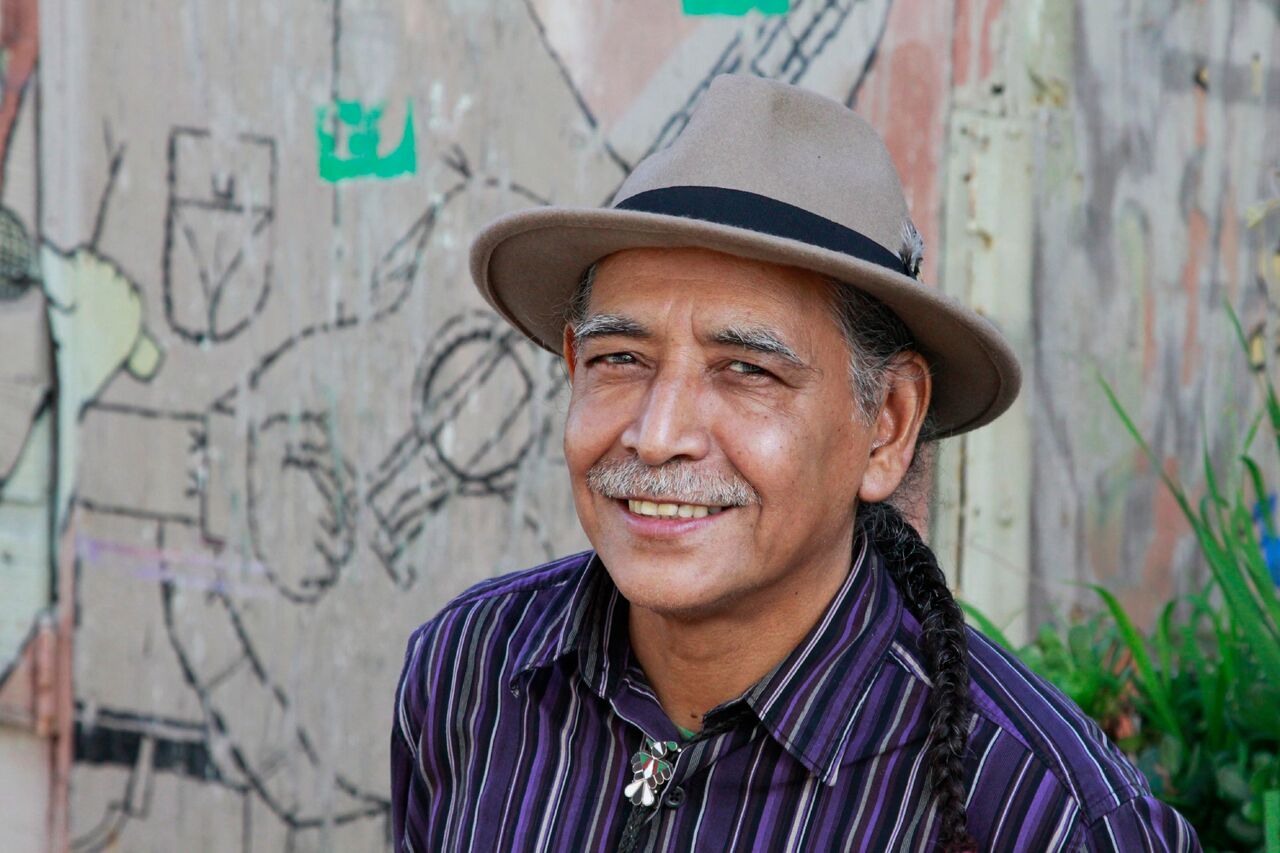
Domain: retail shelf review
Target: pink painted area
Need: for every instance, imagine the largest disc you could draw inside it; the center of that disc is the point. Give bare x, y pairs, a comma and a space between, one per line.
973, 49
906, 98
1201, 117
64, 692
962, 44
986, 38
92, 550
20, 41
1197, 242
1170, 525
1148, 330
1229, 241
612, 50
18, 692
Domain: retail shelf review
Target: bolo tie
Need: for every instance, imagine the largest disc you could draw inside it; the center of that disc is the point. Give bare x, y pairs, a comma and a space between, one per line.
651, 769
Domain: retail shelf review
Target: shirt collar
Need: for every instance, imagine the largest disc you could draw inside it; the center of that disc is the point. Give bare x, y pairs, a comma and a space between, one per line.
812, 701
809, 703
586, 614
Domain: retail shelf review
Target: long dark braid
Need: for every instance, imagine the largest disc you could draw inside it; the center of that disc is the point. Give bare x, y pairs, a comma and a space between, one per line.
877, 337
915, 571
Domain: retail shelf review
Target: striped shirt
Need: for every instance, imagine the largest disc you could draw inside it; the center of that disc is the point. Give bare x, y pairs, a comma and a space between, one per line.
520, 707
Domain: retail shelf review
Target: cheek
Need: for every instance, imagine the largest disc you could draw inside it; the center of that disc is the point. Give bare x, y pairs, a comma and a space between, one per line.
591, 427
768, 451
796, 458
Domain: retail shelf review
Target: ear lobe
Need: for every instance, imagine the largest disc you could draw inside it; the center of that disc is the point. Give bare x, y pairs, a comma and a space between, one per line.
879, 479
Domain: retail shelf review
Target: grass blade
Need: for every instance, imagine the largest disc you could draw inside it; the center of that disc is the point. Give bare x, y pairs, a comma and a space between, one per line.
985, 625
1151, 684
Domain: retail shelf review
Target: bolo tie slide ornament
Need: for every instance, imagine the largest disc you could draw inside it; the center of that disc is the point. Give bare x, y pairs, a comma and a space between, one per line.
650, 770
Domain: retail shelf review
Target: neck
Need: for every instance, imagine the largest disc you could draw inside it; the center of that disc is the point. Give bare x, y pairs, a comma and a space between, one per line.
696, 662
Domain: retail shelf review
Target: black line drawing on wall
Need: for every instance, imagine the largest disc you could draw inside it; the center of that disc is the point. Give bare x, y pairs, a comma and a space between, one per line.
253, 734
292, 456
287, 446
476, 366
146, 745
219, 232
781, 47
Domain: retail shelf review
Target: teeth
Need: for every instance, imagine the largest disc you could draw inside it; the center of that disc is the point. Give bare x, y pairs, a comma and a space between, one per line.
671, 510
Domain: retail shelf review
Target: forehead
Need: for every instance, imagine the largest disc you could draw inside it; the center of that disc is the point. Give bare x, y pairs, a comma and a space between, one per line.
713, 286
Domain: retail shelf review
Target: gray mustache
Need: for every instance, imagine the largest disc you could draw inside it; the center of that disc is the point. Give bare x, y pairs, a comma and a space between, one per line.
677, 482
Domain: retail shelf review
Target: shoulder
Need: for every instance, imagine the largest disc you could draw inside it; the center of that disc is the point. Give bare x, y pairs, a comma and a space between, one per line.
489, 622
1017, 702
525, 582
1038, 762
506, 597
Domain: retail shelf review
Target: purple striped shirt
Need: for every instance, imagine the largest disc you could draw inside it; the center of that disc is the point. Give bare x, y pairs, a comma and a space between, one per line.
520, 707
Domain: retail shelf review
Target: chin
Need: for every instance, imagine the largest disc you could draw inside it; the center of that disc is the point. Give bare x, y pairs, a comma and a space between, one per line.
669, 586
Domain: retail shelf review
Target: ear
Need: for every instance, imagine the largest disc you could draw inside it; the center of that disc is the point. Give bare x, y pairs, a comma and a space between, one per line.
570, 351
897, 427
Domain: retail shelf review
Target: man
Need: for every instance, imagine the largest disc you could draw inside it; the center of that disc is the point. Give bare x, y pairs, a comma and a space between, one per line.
760, 653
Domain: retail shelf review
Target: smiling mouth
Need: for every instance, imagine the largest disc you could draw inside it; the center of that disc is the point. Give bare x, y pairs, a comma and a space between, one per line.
654, 509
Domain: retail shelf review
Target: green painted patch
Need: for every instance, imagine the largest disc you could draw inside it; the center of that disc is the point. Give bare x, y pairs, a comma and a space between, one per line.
1271, 820
358, 127
735, 7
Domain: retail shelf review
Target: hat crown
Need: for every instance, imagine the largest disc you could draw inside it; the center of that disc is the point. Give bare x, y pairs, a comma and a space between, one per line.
790, 144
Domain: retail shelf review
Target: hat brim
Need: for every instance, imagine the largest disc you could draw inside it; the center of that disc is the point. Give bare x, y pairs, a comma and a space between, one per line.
527, 265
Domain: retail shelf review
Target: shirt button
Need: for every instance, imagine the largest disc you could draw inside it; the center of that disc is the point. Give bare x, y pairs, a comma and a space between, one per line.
674, 798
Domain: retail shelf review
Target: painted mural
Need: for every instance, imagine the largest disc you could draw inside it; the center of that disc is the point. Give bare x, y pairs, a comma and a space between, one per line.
286, 430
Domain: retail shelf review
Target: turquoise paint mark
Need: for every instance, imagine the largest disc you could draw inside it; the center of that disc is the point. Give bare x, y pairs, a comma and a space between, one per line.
734, 7
363, 139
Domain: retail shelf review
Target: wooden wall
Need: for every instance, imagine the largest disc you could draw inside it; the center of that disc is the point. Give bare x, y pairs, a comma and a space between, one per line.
255, 425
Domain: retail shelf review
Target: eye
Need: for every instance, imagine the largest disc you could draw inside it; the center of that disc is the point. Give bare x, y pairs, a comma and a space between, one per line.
614, 358
746, 368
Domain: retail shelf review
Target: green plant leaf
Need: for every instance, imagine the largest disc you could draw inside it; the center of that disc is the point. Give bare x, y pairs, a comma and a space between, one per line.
1150, 683
1260, 493
1232, 783
1242, 831
1208, 686
1271, 820
985, 625
1162, 640
1249, 548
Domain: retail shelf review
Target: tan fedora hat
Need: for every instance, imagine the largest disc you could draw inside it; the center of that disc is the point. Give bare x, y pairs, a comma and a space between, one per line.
767, 171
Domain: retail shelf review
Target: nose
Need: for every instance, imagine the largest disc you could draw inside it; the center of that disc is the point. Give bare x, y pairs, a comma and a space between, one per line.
668, 427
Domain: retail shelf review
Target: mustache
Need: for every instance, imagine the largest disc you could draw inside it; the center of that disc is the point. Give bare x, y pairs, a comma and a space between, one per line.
673, 482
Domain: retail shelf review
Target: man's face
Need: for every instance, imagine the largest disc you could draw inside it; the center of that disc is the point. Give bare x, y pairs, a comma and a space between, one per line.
734, 374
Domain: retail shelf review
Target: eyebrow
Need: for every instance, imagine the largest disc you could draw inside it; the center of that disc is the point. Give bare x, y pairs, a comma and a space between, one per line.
602, 325
758, 339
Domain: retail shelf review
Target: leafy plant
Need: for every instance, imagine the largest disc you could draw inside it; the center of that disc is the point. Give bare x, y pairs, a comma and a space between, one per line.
1195, 701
